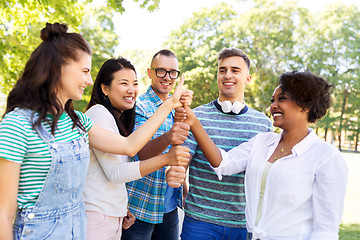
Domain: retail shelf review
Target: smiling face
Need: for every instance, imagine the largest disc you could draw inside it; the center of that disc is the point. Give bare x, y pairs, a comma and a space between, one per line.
285, 112
163, 86
75, 77
123, 89
233, 75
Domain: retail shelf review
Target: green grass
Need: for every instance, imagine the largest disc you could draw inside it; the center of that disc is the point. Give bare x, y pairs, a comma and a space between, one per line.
349, 231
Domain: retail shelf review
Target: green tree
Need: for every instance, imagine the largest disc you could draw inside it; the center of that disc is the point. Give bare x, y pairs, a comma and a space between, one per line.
196, 44
268, 33
21, 22
333, 48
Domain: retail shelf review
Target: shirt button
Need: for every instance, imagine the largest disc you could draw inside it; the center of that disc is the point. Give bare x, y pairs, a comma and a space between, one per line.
30, 216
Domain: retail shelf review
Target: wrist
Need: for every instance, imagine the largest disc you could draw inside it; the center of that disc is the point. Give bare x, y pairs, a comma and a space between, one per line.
164, 160
170, 103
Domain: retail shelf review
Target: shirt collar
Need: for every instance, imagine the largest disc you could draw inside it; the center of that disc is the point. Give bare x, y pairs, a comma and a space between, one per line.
154, 97
302, 146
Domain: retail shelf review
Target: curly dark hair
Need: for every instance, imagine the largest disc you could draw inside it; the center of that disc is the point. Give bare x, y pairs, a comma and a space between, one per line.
36, 89
310, 92
126, 121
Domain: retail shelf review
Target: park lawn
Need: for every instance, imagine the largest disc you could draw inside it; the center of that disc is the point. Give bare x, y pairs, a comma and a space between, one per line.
349, 231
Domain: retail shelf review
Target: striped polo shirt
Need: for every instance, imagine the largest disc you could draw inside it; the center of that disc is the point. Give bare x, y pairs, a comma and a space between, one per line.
209, 199
21, 144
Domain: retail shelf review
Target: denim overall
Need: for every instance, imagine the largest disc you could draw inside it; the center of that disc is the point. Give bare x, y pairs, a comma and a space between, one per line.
59, 211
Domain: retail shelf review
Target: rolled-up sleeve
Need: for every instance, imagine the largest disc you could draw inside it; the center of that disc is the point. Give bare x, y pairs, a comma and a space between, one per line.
235, 160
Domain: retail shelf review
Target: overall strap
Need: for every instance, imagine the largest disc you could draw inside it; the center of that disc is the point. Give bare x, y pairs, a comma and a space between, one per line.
40, 129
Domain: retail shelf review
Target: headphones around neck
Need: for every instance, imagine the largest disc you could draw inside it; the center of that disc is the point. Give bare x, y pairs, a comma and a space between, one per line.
227, 106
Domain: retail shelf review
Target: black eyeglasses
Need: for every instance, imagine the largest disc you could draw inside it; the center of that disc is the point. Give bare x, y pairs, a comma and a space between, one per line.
161, 73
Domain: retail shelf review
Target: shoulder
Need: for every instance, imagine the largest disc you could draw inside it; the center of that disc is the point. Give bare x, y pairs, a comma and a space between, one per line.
206, 109
266, 136
97, 110
327, 158
256, 113
16, 120
85, 120
323, 147
102, 117
257, 117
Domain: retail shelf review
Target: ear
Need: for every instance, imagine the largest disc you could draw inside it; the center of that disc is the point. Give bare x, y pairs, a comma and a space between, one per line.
105, 89
148, 72
248, 80
306, 110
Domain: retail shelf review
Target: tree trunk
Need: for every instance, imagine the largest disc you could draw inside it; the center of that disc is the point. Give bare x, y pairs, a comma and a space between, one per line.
343, 108
357, 135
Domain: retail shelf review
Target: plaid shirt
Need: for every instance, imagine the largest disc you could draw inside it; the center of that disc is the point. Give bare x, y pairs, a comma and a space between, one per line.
146, 195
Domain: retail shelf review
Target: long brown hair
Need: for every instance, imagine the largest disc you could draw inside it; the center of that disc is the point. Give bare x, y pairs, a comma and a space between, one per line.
36, 89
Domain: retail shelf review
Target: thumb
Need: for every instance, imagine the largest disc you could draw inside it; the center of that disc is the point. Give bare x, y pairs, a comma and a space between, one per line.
181, 82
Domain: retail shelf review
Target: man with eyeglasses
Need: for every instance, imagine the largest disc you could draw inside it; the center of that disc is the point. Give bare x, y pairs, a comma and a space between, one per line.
151, 200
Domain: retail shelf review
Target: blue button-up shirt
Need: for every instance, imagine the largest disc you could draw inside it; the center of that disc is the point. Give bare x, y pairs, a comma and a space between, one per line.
147, 195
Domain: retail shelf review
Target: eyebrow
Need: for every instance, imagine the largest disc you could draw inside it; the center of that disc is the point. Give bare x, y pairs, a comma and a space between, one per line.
172, 69
124, 79
230, 68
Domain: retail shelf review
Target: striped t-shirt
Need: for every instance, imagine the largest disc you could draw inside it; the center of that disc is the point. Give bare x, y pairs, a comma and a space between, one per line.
209, 199
21, 144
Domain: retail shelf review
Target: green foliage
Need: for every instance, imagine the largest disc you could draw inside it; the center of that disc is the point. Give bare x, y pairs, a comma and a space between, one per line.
117, 5
103, 40
278, 36
21, 22
141, 60
20, 25
196, 44
349, 232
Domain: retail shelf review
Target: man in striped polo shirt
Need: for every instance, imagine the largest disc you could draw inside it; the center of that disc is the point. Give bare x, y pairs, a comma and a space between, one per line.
215, 209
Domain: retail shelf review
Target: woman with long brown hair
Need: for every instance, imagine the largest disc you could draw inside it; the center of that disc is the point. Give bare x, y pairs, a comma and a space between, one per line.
44, 142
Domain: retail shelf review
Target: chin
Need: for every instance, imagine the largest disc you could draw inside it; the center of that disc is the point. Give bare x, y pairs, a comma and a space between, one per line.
276, 125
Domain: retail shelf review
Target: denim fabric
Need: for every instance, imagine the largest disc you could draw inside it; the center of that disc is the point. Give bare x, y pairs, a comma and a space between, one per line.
249, 236
199, 230
167, 230
59, 210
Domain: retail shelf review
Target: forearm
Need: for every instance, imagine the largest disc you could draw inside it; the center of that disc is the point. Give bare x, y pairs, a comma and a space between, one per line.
137, 139
154, 147
9, 179
6, 228
207, 146
110, 142
150, 165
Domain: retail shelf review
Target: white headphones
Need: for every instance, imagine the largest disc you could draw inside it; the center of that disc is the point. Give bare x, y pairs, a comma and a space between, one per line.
227, 106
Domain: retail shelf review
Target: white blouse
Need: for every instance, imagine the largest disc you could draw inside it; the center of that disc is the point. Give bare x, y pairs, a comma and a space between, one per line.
105, 190
304, 192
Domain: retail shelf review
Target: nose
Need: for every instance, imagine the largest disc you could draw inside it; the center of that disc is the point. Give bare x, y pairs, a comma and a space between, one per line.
273, 105
89, 81
228, 74
130, 89
167, 76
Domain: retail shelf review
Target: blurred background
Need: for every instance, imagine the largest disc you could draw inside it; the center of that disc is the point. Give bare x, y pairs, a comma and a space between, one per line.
322, 36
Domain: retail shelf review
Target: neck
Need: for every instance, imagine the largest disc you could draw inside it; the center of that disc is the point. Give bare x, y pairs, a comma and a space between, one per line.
232, 100
117, 112
294, 136
162, 96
